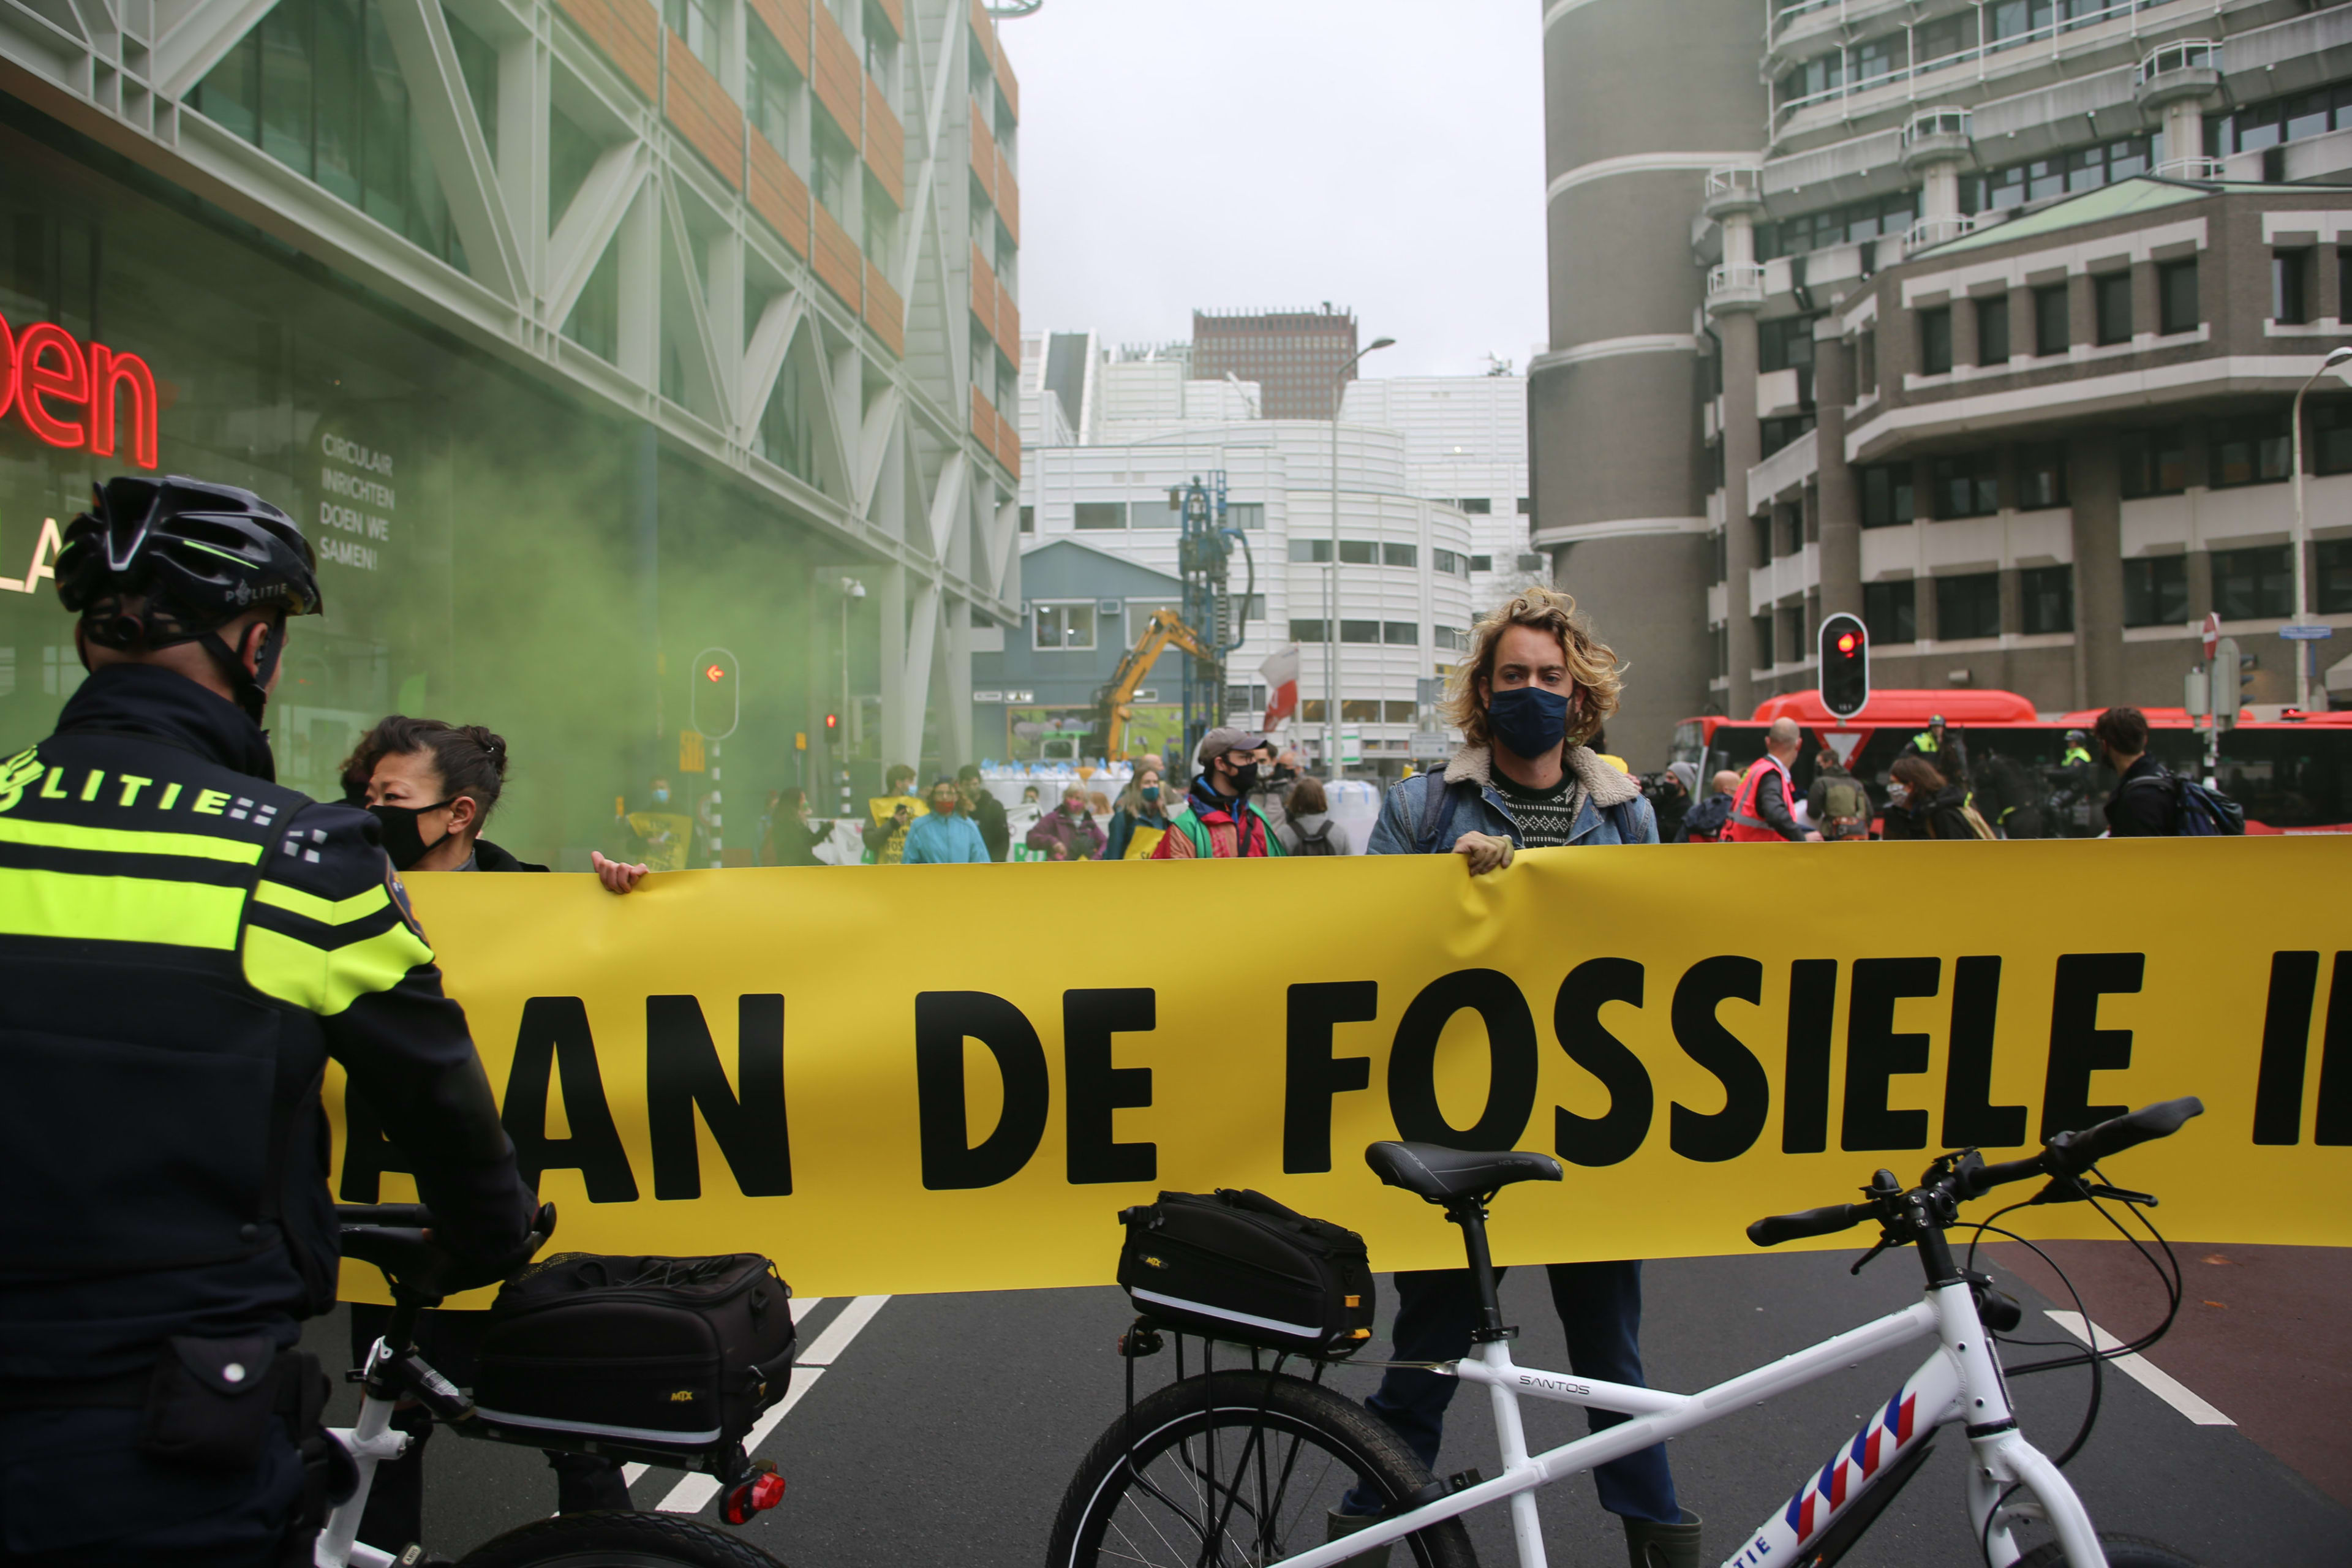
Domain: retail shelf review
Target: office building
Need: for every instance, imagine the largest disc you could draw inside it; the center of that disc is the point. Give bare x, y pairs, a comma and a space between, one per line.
581, 339
1981, 322
1466, 446
1297, 357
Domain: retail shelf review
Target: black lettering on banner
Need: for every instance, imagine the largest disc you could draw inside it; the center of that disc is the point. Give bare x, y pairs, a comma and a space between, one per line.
1093, 1088
943, 1021
554, 1037
2078, 1047
1805, 1079
1730, 1133
1510, 1047
2332, 1126
1971, 1118
1311, 1074
1875, 1053
1607, 1140
2286, 1042
683, 1075
367, 1152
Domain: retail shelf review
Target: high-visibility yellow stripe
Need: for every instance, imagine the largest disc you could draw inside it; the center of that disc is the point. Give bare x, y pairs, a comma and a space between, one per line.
323, 979
126, 841
326, 912
118, 909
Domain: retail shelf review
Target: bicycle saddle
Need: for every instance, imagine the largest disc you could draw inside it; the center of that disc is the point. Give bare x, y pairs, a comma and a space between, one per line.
1446, 1176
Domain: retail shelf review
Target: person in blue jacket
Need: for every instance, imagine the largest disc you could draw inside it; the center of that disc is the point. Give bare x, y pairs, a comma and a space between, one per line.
947, 837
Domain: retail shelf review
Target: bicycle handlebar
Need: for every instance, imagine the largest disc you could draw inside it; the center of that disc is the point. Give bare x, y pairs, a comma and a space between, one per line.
2065, 1156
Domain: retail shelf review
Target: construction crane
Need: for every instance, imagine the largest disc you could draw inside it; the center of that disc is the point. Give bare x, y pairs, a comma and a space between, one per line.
1116, 703
1203, 552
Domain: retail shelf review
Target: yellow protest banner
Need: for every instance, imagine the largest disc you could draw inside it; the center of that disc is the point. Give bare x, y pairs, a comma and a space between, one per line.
1142, 842
726, 1061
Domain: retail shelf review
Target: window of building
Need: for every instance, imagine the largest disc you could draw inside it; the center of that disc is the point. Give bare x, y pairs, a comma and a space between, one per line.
1100, 514
1478, 506
2251, 126
1779, 432
1359, 553
1940, 40
1453, 639
1400, 633
836, 167
1891, 611
1965, 484
1066, 629
2248, 449
1527, 506
1306, 631
696, 22
2331, 437
2111, 307
1992, 330
1785, 343
1246, 515
1028, 519
2290, 287
2041, 475
2155, 462
1393, 554
2253, 584
1360, 631
2052, 328
1763, 526
1936, 341
1846, 225
2156, 590
772, 87
2332, 576
1886, 496
1968, 606
1482, 563
2177, 308
2046, 599
1317, 550
1763, 631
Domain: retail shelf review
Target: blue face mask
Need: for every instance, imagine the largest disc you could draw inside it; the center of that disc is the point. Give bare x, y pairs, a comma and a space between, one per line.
1149, 792
661, 797
1528, 720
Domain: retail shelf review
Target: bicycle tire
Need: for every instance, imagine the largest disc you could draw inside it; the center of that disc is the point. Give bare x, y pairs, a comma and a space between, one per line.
2123, 1551
617, 1540
1201, 1424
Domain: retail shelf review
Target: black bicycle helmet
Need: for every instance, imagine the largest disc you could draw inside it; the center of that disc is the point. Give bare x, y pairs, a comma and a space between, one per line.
193, 556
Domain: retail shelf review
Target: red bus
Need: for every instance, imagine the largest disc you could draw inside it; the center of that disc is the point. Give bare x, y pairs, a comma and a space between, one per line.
2292, 774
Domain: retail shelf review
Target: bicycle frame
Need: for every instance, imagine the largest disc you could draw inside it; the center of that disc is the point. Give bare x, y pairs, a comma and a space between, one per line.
1959, 1383
370, 1441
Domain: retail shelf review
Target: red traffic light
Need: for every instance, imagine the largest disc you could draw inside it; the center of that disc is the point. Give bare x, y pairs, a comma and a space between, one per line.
832, 721
714, 672
1848, 643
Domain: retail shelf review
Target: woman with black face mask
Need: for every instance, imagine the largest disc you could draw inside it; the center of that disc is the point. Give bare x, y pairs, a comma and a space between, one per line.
431, 786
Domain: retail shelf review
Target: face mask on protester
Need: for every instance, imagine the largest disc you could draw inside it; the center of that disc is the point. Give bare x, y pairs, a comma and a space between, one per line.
1898, 794
1150, 793
661, 797
1245, 779
943, 807
1528, 720
402, 840
1074, 808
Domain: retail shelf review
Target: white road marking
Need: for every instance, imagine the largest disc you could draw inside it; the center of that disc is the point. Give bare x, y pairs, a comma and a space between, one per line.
802, 1307
694, 1493
2157, 1380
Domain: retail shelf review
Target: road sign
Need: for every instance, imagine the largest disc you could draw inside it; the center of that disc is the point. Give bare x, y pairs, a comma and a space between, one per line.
2211, 632
1845, 744
1845, 665
1431, 746
2306, 634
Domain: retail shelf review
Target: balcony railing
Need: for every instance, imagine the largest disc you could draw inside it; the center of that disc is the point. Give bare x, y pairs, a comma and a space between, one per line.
1982, 51
1734, 183
1735, 281
1931, 123
2183, 55
2190, 169
1930, 231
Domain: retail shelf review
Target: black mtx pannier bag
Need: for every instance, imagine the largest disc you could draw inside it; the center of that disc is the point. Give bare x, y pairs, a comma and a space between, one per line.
1239, 1265
673, 1354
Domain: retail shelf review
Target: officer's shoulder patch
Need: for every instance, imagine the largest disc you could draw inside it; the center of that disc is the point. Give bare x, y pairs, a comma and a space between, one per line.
16, 776
400, 901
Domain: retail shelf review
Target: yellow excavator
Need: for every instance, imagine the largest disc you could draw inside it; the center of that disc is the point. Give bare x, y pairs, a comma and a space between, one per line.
1116, 701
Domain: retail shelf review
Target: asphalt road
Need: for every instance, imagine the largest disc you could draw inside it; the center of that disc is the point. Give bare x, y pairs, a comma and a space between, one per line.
945, 1427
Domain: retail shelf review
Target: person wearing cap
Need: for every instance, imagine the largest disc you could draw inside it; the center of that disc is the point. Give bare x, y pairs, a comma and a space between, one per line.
1675, 791
947, 837
1216, 821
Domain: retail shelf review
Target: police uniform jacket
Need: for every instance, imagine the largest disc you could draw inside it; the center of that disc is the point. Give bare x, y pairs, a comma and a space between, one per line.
183, 946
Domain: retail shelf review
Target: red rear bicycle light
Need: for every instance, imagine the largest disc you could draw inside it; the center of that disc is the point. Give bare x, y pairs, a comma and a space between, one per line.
763, 1491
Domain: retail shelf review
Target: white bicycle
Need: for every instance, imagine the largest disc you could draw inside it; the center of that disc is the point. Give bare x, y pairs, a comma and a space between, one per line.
394, 1237
1239, 1467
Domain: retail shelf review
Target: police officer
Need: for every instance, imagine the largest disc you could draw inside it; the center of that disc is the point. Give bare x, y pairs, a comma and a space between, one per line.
183, 944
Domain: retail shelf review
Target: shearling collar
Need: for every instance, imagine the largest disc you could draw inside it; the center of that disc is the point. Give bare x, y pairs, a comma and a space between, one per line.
1603, 785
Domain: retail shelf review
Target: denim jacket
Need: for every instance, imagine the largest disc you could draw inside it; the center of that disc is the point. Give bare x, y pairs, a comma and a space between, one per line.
1398, 832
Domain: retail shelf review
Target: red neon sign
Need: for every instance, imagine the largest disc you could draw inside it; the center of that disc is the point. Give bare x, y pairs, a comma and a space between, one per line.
49, 378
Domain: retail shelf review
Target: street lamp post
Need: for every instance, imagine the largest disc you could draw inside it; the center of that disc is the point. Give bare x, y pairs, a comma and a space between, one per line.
1331, 573
2335, 358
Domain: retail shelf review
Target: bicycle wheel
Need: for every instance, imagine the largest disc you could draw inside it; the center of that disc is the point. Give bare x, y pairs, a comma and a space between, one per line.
2123, 1551
1235, 1469
617, 1540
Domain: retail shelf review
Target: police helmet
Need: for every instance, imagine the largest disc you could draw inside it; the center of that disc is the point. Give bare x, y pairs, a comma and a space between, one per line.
198, 554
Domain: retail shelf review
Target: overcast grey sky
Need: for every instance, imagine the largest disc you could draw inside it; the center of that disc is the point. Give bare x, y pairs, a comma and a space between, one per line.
1381, 154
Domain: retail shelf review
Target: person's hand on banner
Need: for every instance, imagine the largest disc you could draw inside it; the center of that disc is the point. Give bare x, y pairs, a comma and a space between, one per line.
1486, 852
617, 876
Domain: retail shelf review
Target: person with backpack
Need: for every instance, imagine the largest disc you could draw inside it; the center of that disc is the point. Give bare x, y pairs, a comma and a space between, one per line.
1922, 804
1705, 822
1216, 821
2150, 800
1306, 828
1837, 803
1534, 687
